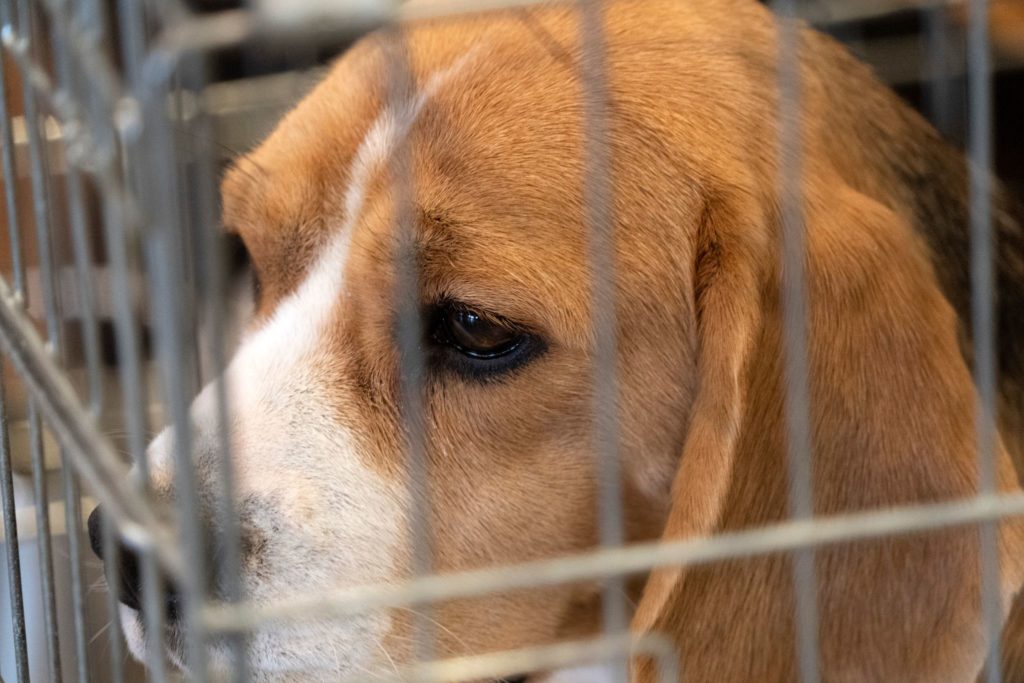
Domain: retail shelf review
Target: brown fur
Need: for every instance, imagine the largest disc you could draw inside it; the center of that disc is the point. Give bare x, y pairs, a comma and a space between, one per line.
497, 170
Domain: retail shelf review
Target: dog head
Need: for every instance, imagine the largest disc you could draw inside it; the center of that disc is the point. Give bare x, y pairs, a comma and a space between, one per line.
440, 175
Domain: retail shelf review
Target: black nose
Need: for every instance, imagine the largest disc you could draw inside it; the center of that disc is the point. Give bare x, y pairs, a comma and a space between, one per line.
127, 570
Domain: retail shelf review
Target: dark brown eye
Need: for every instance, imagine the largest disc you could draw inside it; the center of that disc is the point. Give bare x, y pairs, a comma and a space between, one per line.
476, 345
476, 336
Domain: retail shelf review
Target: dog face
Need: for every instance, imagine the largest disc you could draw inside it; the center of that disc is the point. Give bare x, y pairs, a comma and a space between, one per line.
458, 195
496, 229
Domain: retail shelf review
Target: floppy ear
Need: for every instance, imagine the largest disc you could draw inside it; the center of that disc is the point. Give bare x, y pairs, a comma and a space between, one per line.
892, 423
728, 274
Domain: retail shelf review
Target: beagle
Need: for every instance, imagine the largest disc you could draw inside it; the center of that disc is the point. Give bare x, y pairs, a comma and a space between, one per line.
473, 170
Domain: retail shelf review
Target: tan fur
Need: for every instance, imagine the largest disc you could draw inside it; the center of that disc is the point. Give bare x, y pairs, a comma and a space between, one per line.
497, 171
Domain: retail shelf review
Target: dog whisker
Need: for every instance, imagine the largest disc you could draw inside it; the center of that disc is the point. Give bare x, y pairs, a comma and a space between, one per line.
100, 632
436, 624
387, 655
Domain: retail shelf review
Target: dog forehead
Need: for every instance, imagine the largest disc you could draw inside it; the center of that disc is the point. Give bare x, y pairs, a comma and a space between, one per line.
482, 145
477, 80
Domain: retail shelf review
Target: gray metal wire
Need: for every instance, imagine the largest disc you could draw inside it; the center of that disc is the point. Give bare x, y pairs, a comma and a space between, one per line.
13, 552
212, 270
122, 231
45, 543
112, 551
412, 366
41, 197
165, 263
10, 187
628, 560
599, 220
983, 314
795, 348
90, 339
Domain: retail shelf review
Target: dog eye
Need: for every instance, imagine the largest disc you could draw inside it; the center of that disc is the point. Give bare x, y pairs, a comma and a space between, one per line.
478, 337
478, 344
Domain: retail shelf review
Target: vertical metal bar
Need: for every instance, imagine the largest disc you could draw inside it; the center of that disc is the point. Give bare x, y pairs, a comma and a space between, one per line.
600, 227
166, 269
121, 243
983, 313
73, 522
10, 167
136, 400
411, 362
132, 40
155, 618
112, 553
91, 21
90, 339
982, 277
212, 272
72, 82
795, 330
164, 263
185, 146
129, 363
72, 493
45, 543
11, 541
37, 150
90, 26
38, 164
44, 231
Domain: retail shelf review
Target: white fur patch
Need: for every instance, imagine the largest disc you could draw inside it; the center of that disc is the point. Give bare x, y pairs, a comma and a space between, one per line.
390, 128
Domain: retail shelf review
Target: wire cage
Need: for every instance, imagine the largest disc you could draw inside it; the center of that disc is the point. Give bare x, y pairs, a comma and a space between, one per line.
119, 302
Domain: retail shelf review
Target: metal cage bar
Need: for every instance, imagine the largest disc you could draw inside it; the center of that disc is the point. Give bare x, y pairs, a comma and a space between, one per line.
45, 544
398, 82
165, 261
212, 275
983, 314
13, 554
7, 154
599, 222
795, 327
44, 230
85, 300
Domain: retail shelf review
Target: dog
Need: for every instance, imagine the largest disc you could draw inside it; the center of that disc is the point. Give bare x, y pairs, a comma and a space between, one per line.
472, 172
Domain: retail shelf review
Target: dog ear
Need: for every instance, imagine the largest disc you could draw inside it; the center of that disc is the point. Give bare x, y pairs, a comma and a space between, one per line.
730, 254
892, 408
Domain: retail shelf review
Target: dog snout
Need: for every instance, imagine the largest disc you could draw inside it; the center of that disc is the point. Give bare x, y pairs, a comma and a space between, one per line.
127, 570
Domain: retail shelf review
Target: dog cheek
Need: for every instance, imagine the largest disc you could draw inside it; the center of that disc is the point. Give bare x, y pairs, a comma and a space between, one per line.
329, 648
